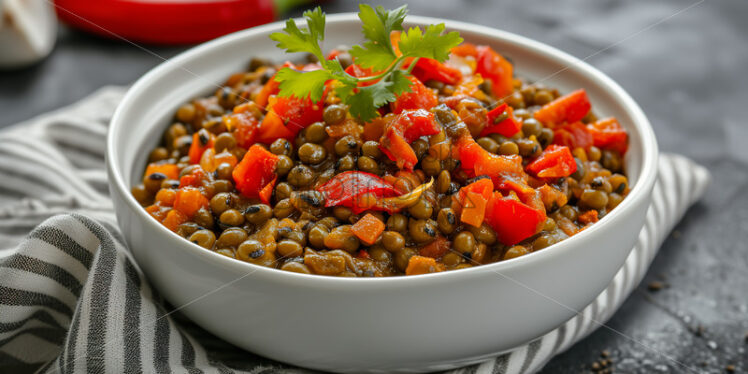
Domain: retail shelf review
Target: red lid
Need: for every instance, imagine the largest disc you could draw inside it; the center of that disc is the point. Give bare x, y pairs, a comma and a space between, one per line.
165, 21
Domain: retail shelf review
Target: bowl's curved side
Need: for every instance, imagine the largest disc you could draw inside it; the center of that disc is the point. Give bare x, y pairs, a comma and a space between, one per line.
425, 322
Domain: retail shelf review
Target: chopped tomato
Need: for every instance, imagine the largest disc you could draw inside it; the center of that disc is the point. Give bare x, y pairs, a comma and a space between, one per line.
360, 72
368, 229
171, 171
513, 220
273, 128
496, 68
346, 127
607, 133
555, 162
569, 108
477, 161
427, 69
419, 97
422, 265
436, 249
375, 129
244, 127
201, 141
465, 49
189, 200
403, 130
501, 121
271, 87
255, 172
291, 115
573, 135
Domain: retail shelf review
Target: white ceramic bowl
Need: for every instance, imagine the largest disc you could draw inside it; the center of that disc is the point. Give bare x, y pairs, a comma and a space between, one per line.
417, 323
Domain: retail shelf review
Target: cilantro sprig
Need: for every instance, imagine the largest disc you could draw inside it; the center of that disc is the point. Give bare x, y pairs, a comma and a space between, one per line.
376, 53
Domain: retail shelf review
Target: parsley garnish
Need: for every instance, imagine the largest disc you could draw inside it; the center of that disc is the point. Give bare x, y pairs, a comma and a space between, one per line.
376, 53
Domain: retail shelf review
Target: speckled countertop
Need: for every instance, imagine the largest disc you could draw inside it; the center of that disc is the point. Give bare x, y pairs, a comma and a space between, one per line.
686, 64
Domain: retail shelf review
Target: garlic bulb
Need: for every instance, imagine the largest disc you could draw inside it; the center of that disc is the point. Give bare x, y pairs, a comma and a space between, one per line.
28, 29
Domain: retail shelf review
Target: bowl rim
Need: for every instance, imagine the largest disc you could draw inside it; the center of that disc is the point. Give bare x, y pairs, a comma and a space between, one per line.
641, 190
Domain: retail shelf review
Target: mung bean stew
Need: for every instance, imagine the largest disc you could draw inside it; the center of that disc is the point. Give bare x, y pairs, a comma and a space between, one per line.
471, 167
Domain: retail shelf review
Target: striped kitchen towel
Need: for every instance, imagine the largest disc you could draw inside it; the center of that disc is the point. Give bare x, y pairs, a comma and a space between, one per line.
73, 300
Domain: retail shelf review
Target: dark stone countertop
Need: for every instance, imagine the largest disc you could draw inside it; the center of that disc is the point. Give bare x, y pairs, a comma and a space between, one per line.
684, 62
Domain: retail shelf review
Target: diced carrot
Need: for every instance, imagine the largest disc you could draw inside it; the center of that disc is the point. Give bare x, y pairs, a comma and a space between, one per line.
368, 228
435, 249
588, 217
473, 209
227, 158
422, 265
157, 211
189, 200
201, 141
170, 170
270, 88
166, 197
173, 219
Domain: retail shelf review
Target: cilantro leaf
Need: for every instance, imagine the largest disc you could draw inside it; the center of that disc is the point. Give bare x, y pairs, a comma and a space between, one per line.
400, 82
373, 55
379, 23
429, 44
302, 84
293, 39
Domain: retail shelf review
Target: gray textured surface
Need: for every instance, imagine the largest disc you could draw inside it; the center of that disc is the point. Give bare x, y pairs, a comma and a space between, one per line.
686, 70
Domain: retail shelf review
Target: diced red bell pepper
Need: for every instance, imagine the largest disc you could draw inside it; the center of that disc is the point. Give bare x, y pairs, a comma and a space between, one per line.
427, 69
555, 162
244, 126
512, 220
403, 130
569, 108
419, 97
394, 146
495, 68
201, 141
345, 189
608, 134
573, 135
170, 170
501, 121
255, 172
477, 161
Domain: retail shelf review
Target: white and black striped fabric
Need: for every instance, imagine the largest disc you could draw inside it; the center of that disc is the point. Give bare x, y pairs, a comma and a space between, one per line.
73, 300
